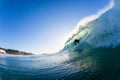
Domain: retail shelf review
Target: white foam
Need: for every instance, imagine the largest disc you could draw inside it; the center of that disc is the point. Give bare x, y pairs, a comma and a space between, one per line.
83, 22
105, 26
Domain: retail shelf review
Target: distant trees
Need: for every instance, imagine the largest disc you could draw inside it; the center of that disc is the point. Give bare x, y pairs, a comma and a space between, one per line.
15, 52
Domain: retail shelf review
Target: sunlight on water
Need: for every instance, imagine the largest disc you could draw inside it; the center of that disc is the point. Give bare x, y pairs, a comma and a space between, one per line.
95, 57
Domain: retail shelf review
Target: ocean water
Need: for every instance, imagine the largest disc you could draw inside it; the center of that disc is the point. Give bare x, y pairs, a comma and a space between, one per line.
90, 64
96, 57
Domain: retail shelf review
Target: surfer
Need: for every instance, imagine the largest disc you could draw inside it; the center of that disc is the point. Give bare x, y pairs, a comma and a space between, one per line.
76, 41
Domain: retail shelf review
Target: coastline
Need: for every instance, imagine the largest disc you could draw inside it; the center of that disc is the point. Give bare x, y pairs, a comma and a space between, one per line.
13, 52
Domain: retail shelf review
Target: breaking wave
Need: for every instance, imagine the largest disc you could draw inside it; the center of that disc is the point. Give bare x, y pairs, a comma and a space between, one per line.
95, 57
101, 30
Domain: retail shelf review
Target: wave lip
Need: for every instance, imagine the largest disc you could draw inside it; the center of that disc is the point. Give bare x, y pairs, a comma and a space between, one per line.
101, 30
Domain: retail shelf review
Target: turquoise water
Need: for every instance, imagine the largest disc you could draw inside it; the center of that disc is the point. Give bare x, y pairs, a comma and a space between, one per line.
96, 57
92, 64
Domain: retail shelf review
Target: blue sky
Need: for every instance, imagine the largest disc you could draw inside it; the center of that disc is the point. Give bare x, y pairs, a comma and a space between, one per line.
42, 26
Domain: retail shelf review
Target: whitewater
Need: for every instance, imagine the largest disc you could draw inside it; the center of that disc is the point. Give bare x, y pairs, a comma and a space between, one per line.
95, 57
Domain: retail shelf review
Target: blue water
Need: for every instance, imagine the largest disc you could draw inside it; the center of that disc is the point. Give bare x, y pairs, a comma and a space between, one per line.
33, 67
90, 64
96, 57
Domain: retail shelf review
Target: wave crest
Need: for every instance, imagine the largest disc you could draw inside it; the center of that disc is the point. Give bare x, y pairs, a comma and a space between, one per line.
101, 30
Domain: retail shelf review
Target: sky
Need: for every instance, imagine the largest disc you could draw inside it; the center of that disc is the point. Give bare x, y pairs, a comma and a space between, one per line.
42, 26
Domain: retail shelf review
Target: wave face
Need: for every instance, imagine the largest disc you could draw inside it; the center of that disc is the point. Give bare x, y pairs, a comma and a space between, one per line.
95, 57
103, 31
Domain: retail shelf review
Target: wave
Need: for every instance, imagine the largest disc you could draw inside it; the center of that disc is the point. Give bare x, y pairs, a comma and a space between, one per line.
102, 30
96, 57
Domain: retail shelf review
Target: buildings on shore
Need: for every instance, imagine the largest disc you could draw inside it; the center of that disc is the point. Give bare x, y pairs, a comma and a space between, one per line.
2, 51
13, 52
